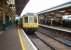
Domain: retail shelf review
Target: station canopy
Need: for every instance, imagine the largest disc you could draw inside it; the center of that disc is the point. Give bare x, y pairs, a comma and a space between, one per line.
64, 9
12, 7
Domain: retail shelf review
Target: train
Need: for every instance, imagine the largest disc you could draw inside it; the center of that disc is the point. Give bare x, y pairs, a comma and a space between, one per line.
30, 22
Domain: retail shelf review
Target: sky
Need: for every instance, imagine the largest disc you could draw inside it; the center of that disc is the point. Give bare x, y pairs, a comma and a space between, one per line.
35, 6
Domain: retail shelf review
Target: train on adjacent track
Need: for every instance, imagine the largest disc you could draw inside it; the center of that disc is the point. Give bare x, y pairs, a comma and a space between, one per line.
30, 22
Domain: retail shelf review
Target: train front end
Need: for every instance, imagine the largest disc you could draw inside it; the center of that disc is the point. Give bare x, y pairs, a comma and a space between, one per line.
30, 23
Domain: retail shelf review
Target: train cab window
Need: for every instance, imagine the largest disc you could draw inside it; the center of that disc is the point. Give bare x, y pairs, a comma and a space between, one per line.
26, 19
30, 19
35, 19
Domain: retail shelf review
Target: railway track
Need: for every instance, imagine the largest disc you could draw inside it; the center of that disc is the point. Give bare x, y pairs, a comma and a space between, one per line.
54, 34
52, 43
43, 41
40, 44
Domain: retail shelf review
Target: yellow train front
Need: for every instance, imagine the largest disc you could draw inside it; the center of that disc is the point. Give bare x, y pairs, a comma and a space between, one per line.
30, 22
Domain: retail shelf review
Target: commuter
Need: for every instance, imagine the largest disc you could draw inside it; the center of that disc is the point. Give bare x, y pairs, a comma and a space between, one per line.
16, 22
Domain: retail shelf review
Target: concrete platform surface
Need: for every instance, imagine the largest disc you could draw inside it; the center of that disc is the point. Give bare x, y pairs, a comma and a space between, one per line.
9, 39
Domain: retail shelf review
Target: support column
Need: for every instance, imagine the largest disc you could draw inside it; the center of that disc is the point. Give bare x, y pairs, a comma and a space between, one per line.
13, 19
3, 18
52, 21
4, 26
10, 20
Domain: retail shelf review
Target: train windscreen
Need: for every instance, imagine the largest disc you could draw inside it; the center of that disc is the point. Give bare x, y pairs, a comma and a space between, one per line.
26, 19
30, 19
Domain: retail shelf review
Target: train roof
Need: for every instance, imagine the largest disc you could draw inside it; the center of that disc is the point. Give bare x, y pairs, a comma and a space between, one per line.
30, 14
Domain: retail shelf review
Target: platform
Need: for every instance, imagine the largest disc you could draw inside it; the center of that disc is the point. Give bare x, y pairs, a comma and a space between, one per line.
9, 39
57, 28
14, 38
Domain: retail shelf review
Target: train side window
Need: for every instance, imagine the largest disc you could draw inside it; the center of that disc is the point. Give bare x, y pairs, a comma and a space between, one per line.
26, 19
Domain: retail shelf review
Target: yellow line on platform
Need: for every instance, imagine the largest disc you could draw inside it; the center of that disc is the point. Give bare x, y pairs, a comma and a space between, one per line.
21, 40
